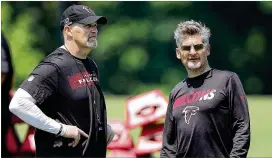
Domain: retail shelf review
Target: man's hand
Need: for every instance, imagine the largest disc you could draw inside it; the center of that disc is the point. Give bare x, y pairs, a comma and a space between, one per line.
110, 134
73, 132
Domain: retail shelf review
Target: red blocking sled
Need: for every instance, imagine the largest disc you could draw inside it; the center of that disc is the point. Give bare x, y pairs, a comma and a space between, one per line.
117, 153
122, 138
145, 108
20, 138
150, 140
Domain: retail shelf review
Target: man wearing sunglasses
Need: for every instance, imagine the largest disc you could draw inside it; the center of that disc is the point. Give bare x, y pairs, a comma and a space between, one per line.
207, 115
62, 97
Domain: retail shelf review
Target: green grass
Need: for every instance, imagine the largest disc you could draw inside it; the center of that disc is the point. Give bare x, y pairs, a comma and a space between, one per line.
116, 111
260, 109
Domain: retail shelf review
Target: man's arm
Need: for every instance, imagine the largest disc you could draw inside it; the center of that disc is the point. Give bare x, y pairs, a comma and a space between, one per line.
110, 134
38, 87
24, 106
240, 118
169, 134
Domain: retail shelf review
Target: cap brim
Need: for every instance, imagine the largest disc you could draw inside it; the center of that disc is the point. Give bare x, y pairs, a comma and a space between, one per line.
92, 19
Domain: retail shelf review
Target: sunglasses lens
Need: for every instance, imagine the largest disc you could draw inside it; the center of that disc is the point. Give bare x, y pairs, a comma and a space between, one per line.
90, 25
93, 25
198, 47
186, 48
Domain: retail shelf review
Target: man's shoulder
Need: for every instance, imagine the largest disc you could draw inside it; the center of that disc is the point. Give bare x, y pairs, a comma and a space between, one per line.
178, 86
57, 58
224, 73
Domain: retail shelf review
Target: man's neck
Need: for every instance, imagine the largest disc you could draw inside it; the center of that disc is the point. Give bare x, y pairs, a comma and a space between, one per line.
192, 74
76, 51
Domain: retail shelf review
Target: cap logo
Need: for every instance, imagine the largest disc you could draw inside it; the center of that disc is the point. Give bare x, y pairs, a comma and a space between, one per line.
67, 22
86, 8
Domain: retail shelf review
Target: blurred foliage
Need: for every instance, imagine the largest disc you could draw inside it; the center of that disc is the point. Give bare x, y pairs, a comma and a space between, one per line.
22, 40
136, 50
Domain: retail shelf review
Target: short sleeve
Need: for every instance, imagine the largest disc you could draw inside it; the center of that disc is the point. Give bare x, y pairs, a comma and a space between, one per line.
42, 82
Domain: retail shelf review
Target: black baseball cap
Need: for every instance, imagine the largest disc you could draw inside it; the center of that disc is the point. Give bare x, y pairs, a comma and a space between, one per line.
80, 14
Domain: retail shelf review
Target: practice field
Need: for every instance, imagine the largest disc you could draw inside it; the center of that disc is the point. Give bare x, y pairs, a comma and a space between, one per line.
260, 108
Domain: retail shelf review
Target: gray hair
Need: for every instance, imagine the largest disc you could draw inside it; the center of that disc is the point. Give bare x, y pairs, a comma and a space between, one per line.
191, 28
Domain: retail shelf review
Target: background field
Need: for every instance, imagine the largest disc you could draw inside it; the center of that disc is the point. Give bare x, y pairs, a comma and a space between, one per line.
260, 108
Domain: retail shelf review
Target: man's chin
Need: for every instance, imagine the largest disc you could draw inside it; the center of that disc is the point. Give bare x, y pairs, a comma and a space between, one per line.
194, 67
92, 45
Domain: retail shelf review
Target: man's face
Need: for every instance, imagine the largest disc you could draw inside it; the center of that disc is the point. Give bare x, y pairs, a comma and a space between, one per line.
85, 35
193, 53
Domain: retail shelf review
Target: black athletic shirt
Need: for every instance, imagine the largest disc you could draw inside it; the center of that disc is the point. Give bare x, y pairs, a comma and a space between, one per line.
67, 89
207, 116
6, 67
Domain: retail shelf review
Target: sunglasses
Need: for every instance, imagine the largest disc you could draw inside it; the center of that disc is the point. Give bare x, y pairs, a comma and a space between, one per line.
197, 47
90, 25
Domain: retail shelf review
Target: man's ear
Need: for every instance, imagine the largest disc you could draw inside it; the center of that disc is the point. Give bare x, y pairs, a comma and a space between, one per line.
208, 49
178, 53
68, 31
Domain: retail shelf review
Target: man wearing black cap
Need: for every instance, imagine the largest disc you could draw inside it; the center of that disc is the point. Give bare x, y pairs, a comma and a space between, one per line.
62, 97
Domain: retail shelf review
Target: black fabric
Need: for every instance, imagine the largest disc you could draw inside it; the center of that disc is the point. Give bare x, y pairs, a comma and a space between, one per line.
5, 98
67, 89
80, 14
207, 116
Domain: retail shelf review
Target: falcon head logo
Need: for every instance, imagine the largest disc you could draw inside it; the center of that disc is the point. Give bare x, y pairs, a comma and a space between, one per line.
86, 8
189, 111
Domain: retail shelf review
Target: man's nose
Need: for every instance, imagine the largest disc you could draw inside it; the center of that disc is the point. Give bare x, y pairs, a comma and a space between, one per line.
192, 50
94, 30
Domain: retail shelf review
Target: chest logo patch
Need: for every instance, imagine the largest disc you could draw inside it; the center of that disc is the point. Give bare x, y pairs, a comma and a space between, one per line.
196, 96
79, 80
189, 112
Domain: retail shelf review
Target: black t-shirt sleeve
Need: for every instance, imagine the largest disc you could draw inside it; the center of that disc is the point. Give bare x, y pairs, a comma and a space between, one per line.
169, 135
42, 82
240, 118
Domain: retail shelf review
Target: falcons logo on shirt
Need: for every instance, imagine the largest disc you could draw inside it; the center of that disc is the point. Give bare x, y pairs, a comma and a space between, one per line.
189, 111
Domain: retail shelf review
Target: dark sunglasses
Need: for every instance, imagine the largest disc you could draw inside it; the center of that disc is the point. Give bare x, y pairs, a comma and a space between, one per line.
90, 25
197, 47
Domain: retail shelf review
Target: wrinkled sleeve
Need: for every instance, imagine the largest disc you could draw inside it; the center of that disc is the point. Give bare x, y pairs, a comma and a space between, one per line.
169, 133
240, 118
42, 82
